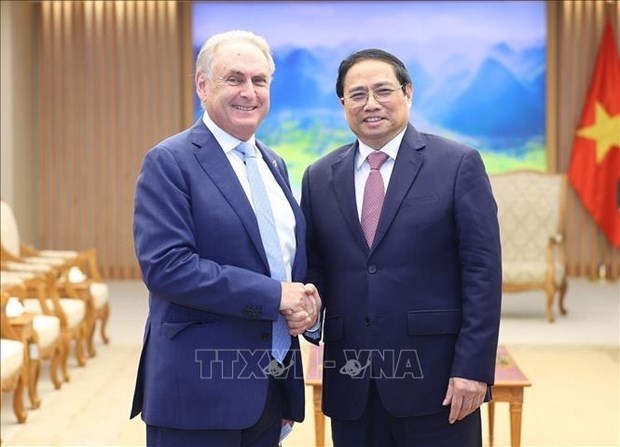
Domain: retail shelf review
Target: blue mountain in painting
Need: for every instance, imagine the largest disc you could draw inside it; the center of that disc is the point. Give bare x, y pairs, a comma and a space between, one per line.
422, 81
295, 85
499, 101
525, 64
496, 103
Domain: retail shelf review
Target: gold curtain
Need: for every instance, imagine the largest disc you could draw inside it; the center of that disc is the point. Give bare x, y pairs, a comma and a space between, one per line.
575, 30
109, 88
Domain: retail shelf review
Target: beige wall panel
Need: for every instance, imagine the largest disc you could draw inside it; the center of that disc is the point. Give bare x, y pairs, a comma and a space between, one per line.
112, 91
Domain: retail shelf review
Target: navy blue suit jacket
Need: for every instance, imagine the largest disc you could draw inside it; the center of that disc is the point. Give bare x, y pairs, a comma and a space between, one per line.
211, 303
421, 305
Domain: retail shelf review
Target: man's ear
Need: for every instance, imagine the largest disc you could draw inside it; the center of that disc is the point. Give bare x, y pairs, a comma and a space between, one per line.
410, 90
200, 80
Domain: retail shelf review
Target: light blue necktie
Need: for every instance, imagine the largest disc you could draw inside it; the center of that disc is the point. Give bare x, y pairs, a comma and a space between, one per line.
281, 339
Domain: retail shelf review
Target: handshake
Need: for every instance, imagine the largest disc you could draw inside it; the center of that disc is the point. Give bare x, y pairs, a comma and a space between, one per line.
300, 305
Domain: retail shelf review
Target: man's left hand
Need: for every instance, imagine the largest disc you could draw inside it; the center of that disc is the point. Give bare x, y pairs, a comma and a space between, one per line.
312, 303
464, 397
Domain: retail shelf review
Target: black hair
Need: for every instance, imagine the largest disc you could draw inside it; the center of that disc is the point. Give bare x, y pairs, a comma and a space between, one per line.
372, 54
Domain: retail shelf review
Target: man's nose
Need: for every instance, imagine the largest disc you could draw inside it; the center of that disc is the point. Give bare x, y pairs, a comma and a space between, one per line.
248, 89
371, 101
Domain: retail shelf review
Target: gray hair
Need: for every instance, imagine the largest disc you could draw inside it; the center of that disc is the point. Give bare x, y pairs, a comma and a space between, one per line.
204, 61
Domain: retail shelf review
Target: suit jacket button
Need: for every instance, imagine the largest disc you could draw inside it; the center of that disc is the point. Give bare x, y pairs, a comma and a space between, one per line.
372, 269
366, 321
265, 336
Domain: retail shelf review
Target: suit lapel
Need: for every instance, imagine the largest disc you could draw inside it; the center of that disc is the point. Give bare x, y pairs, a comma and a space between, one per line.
213, 161
406, 167
344, 187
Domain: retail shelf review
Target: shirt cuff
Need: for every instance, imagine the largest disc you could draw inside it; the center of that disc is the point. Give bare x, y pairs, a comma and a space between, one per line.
315, 331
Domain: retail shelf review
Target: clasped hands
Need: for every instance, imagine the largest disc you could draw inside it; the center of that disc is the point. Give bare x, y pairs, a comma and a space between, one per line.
300, 305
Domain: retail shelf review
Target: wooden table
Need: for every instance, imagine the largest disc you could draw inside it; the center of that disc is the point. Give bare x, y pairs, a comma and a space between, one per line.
509, 385
314, 378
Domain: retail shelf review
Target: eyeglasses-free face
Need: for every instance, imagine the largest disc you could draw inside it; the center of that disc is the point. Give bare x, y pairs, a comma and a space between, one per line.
376, 106
237, 97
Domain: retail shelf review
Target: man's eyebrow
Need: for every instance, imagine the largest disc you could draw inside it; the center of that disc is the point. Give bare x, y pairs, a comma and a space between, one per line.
381, 84
234, 71
375, 85
359, 87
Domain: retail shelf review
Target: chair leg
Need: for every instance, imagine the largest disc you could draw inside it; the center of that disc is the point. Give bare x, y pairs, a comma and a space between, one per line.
64, 356
55, 365
90, 336
563, 288
105, 314
80, 344
550, 291
18, 401
33, 370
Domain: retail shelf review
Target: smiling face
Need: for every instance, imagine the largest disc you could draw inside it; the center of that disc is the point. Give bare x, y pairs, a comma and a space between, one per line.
236, 96
376, 123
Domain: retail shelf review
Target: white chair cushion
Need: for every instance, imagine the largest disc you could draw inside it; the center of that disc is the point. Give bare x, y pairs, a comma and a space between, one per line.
47, 328
44, 261
100, 293
9, 233
74, 309
16, 275
11, 357
76, 275
10, 281
24, 267
14, 307
64, 254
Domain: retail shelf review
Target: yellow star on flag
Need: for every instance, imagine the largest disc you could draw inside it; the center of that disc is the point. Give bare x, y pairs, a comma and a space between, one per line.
605, 131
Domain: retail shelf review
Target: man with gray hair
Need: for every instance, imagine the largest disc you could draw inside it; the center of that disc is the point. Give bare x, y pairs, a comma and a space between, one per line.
221, 245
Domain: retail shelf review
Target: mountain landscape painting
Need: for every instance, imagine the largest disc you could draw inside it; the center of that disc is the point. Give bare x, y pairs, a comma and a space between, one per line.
478, 70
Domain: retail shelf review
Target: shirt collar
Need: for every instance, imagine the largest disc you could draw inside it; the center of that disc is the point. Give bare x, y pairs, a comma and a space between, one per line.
224, 139
391, 149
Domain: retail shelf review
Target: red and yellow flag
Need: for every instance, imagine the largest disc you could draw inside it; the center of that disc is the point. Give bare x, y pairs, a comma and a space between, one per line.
594, 169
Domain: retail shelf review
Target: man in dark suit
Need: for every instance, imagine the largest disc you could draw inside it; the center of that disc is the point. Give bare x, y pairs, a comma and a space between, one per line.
221, 244
403, 245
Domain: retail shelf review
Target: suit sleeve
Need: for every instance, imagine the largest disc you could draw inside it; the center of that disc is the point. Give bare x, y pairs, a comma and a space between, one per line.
481, 275
315, 263
166, 250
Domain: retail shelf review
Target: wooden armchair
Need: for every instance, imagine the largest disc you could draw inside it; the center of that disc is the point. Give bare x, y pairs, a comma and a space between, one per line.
47, 335
78, 272
531, 218
44, 298
13, 371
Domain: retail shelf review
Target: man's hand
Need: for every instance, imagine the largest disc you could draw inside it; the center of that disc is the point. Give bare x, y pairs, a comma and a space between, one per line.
312, 303
464, 397
293, 293
301, 308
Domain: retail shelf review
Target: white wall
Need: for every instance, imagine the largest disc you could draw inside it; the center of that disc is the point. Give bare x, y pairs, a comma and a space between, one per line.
19, 170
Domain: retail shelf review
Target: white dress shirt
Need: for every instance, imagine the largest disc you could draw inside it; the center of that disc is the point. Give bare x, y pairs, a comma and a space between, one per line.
362, 167
281, 208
